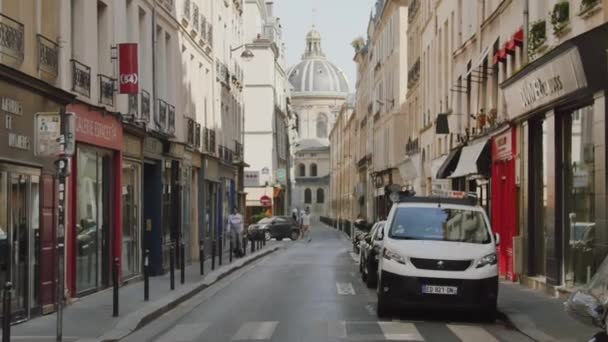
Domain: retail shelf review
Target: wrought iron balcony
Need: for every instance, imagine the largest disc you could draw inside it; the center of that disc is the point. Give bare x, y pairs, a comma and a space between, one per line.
412, 10
412, 147
81, 78
106, 90
11, 38
186, 17
48, 55
133, 108
413, 75
171, 123
197, 135
190, 132
195, 18
212, 142
145, 106
206, 141
160, 114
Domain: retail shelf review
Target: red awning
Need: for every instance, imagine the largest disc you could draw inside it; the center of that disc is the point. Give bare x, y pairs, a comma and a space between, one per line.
518, 37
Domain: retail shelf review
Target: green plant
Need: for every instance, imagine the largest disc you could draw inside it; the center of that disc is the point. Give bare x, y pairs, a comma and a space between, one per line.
560, 16
588, 4
538, 35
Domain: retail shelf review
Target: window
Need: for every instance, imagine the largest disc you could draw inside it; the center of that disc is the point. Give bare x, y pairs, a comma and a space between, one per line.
307, 196
321, 126
313, 170
302, 170
320, 196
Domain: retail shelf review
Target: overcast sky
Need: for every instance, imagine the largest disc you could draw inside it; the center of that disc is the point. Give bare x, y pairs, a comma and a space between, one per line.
338, 21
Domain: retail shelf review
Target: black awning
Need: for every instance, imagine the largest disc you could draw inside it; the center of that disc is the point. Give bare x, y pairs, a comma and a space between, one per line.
449, 165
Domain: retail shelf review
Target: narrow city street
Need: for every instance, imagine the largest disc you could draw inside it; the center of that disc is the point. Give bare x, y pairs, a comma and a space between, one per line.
307, 292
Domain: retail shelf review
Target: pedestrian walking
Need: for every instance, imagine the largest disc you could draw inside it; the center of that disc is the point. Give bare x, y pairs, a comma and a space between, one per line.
305, 219
235, 226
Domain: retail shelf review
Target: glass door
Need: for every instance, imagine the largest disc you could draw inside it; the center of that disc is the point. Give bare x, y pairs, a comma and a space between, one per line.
19, 243
131, 176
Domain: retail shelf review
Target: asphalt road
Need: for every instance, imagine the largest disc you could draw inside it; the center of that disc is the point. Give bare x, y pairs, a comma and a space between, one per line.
308, 292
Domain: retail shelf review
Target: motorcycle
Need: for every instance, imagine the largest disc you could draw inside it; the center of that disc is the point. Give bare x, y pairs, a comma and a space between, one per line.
589, 304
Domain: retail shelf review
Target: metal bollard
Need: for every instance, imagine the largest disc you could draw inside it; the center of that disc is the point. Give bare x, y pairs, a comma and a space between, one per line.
219, 261
213, 255
231, 246
252, 241
146, 275
6, 314
244, 246
115, 267
172, 266
182, 259
201, 256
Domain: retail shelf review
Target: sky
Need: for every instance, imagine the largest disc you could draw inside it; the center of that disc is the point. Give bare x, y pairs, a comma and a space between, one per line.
338, 21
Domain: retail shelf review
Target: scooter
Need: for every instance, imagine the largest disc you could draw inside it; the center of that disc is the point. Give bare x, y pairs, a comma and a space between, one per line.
589, 305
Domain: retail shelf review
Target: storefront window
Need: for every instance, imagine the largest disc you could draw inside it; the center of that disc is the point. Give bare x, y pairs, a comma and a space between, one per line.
579, 196
130, 218
186, 207
35, 224
88, 219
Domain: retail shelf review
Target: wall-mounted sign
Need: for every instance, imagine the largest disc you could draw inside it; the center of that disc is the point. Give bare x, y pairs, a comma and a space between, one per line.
556, 78
503, 146
129, 69
281, 175
47, 132
95, 128
11, 106
252, 178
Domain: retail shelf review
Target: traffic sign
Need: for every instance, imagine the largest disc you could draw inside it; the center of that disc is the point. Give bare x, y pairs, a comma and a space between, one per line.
265, 201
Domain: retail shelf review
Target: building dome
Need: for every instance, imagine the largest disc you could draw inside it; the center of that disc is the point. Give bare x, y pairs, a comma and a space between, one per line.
315, 75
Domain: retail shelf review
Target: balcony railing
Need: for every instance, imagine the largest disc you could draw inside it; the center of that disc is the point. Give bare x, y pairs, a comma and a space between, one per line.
206, 137
160, 115
212, 142
171, 123
81, 78
186, 17
48, 55
412, 147
195, 18
145, 106
133, 107
106, 90
190, 132
11, 38
197, 135
413, 75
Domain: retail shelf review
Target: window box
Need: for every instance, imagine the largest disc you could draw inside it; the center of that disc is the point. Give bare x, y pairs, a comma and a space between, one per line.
560, 17
589, 8
538, 37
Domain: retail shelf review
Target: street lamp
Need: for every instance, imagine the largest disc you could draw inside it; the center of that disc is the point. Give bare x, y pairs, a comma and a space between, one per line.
247, 55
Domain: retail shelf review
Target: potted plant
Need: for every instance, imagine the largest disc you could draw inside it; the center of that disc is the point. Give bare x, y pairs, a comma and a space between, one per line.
560, 17
538, 36
589, 7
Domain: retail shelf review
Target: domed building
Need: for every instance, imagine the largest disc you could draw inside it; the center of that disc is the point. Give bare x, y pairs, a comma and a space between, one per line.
318, 90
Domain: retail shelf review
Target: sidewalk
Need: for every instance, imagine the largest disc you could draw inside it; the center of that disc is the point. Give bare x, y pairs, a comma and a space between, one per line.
539, 316
90, 318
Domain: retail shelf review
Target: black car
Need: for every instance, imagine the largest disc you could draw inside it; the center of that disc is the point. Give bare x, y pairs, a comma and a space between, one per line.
278, 227
370, 250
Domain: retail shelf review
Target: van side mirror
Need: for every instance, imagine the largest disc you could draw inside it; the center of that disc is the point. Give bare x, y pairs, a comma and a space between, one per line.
497, 239
380, 234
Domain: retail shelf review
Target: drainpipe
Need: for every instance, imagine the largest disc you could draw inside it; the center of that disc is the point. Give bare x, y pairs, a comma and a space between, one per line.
526, 31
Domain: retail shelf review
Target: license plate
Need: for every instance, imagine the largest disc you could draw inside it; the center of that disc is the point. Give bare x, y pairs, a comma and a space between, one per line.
441, 290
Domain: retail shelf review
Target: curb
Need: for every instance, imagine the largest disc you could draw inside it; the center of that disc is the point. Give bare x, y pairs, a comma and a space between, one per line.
138, 319
524, 326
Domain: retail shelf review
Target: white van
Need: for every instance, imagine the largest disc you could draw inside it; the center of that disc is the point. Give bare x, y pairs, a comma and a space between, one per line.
437, 253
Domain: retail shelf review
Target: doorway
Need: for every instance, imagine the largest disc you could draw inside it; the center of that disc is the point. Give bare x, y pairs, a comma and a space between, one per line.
19, 236
93, 233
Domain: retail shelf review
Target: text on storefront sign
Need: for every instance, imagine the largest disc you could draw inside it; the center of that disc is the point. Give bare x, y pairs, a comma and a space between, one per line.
9, 105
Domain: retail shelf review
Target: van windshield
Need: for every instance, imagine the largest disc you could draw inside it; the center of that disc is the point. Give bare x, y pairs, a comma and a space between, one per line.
439, 224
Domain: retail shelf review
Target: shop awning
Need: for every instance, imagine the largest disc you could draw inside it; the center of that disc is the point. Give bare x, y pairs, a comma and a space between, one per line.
449, 164
474, 160
436, 165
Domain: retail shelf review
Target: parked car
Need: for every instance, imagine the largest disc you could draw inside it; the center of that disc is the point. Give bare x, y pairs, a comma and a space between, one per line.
278, 227
370, 250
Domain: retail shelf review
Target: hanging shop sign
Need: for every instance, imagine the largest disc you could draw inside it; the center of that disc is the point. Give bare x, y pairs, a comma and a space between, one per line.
129, 69
503, 146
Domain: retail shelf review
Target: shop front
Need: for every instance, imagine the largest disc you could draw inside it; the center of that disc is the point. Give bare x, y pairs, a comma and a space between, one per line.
172, 233
153, 191
27, 195
504, 199
211, 200
559, 103
131, 201
95, 235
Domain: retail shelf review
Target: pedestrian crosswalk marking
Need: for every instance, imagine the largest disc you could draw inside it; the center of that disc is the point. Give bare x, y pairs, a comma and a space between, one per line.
256, 331
345, 288
398, 331
471, 333
336, 329
184, 332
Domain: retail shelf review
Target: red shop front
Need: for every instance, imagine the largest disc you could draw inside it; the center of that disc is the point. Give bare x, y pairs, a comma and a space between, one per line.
95, 196
504, 199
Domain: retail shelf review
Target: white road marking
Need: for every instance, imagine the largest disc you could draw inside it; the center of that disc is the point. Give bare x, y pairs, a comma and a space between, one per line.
345, 289
398, 331
336, 329
184, 332
256, 331
471, 333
